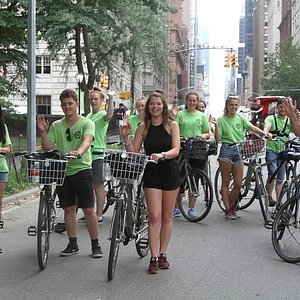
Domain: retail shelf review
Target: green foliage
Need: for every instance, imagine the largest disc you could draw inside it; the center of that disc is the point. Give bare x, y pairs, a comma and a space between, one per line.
13, 30
14, 186
282, 71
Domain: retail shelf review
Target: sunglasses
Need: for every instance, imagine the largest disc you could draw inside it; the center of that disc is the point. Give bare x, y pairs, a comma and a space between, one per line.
68, 133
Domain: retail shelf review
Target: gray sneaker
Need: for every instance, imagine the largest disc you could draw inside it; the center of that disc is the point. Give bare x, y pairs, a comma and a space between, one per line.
96, 251
191, 213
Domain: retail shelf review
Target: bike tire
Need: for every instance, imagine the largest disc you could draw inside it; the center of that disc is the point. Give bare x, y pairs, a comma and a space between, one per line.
116, 236
59, 224
204, 193
262, 195
43, 231
246, 196
141, 242
286, 231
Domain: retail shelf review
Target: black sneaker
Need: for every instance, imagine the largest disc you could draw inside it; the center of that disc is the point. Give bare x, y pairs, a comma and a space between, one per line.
272, 202
70, 250
96, 251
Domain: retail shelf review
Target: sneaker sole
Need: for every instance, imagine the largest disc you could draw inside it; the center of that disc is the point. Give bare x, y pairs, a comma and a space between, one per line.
68, 254
97, 255
152, 272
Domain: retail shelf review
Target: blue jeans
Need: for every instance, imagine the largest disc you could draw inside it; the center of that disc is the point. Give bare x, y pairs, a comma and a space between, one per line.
272, 156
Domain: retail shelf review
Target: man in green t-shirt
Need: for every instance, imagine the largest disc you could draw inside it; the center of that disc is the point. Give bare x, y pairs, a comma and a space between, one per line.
101, 119
278, 124
74, 134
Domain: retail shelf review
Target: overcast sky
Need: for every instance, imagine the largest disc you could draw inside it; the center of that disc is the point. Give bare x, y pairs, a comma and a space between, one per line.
222, 20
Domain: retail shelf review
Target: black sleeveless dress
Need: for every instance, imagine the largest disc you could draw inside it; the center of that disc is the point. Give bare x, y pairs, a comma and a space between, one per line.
164, 175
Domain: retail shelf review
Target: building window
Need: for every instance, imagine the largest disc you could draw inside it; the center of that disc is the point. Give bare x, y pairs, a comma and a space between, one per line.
43, 105
43, 65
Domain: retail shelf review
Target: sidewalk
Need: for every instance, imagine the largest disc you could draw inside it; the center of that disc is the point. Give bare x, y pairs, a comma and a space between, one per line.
24, 195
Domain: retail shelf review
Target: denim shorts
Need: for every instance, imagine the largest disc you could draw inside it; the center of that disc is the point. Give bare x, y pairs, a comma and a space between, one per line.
271, 156
230, 153
3, 177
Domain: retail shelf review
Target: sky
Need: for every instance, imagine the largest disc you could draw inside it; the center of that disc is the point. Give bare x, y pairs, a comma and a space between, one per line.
222, 20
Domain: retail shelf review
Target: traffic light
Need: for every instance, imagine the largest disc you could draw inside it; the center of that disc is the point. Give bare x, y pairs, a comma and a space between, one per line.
234, 60
227, 61
105, 81
101, 81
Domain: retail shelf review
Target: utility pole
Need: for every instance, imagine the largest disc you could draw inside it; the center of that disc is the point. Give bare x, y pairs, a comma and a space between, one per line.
31, 95
195, 47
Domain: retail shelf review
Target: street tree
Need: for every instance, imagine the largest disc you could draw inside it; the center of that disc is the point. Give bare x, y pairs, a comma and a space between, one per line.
13, 30
96, 34
282, 71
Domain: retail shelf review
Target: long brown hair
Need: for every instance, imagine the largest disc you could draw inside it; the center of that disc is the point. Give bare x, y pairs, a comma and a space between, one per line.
230, 96
165, 113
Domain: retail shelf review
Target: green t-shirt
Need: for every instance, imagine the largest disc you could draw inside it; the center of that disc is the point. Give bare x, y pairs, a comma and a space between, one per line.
232, 129
192, 124
58, 136
3, 162
278, 146
134, 122
101, 125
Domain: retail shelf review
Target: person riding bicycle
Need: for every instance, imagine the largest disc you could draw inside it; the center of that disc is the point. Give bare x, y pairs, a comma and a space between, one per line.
74, 134
279, 125
257, 113
192, 123
161, 181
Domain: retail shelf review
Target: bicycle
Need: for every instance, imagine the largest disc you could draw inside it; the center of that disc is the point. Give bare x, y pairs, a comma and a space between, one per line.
286, 228
193, 180
289, 187
130, 218
45, 169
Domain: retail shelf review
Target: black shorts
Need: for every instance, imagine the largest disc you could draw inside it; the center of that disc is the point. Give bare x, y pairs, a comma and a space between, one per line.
77, 190
163, 176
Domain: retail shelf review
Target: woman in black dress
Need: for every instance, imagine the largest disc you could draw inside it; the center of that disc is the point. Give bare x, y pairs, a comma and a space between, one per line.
161, 140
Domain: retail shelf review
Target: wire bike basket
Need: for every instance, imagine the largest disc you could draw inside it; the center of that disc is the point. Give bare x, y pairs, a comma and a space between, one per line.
46, 168
198, 148
125, 165
253, 147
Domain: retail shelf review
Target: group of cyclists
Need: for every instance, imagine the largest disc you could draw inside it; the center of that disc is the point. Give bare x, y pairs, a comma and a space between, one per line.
159, 132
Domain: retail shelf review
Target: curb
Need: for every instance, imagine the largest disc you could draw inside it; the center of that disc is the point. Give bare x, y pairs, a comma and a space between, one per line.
21, 196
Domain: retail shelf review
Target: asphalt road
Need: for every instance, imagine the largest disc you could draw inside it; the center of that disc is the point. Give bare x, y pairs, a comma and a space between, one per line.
213, 259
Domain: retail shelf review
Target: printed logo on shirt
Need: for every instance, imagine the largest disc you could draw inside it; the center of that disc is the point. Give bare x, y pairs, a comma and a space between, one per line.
198, 121
238, 125
77, 135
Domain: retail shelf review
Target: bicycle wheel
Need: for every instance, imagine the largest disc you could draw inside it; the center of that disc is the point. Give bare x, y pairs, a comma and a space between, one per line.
59, 223
198, 192
286, 231
43, 231
263, 199
247, 194
115, 239
141, 241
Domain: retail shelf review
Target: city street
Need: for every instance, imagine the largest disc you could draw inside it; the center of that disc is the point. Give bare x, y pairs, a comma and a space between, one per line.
214, 259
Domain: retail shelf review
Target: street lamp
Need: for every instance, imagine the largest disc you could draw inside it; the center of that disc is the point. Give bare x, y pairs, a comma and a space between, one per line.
79, 79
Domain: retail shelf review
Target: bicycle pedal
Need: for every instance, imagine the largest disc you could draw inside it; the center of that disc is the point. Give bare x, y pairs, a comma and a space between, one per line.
143, 243
57, 204
268, 224
31, 231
